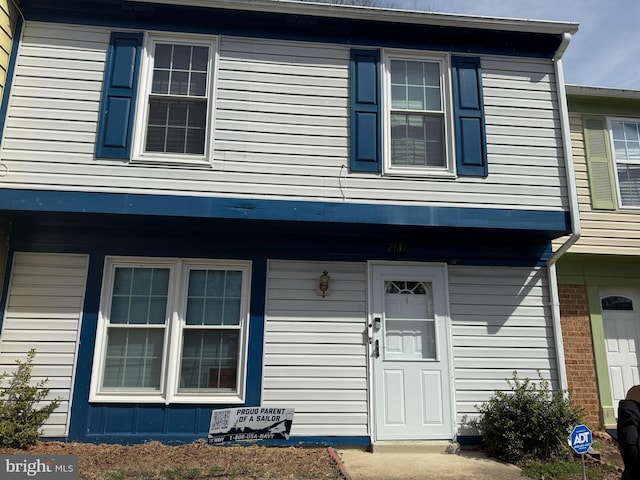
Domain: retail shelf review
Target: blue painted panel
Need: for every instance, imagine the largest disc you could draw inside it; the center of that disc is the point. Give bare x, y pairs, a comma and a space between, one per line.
116, 130
182, 419
13, 58
119, 419
557, 223
366, 125
119, 93
470, 133
366, 139
471, 143
149, 420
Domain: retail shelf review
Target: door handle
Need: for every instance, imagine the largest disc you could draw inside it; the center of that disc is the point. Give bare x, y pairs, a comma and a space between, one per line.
376, 349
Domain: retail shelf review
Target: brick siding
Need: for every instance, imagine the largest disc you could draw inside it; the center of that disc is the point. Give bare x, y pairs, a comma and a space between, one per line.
578, 351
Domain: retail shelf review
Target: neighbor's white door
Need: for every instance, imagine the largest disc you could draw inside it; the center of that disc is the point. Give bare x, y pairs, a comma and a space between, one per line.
621, 331
410, 352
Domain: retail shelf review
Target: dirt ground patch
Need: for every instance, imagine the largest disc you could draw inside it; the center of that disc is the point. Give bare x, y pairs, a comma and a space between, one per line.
196, 461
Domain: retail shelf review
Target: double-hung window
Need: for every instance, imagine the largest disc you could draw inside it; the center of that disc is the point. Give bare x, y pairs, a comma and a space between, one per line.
172, 331
176, 103
625, 135
418, 115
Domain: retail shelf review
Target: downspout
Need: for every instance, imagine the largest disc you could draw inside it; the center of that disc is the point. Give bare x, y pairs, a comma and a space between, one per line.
574, 212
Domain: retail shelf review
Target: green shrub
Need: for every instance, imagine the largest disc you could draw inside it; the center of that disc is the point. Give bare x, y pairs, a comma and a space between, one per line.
530, 422
21, 405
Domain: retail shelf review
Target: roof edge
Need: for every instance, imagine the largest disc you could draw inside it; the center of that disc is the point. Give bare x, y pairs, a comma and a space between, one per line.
296, 7
602, 92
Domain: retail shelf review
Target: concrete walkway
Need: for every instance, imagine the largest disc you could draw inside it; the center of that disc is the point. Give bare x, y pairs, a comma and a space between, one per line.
417, 465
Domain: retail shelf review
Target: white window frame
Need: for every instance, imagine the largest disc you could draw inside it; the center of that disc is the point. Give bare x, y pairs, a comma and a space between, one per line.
144, 91
444, 62
614, 160
172, 347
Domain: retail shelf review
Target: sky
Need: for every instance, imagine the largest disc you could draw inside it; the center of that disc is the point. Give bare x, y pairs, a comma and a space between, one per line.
604, 53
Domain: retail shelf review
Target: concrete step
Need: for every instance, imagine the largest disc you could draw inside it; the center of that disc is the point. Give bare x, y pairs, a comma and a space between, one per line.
430, 446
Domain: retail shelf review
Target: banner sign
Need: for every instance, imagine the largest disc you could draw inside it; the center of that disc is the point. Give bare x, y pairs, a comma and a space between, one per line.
34, 467
250, 423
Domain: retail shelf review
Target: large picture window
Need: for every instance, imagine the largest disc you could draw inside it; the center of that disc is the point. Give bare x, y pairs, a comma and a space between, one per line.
176, 103
626, 148
417, 115
172, 331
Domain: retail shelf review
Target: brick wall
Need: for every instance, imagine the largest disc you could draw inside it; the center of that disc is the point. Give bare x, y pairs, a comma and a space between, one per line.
578, 351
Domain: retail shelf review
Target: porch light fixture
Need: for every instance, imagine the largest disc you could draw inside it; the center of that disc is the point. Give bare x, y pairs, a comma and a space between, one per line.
324, 283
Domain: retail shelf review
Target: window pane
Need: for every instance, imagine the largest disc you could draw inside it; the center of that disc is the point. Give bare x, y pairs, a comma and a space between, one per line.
119, 309
195, 311
214, 297
629, 182
195, 142
200, 59
178, 113
160, 81
415, 74
141, 284
233, 286
415, 85
197, 282
417, 140
198, 84
134, 358
162, 56
618, 130
209, 359
179, 83
181, 57
180, 126
139, 296
176, 139
626, 142
617, 303
215, 283
122, 281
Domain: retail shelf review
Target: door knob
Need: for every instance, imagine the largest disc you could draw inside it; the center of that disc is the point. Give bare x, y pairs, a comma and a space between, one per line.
376, 349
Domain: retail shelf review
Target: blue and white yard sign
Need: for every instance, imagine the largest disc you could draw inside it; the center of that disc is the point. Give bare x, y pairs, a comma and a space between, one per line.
580, 439
247, 424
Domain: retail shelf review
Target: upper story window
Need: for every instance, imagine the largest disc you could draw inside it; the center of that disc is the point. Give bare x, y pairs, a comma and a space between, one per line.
417, 117
175, 104
626, 147
172, 331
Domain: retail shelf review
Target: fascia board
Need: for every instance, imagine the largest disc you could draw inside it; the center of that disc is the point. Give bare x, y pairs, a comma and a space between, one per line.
293, 7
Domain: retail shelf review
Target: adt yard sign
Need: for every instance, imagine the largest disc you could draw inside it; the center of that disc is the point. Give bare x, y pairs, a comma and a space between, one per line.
581, 439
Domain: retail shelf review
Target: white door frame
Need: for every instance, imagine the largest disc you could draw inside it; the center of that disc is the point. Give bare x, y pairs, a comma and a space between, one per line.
447, 349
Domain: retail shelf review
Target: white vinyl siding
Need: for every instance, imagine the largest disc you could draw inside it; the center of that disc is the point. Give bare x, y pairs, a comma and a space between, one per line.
316, 362
315, 355
501, 323
602, 231
44, 311
280, 131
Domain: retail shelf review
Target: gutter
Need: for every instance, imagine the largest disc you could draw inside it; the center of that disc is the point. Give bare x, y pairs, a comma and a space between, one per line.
572, 193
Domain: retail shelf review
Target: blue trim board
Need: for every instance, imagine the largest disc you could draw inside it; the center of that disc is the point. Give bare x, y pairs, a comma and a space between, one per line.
117, 14
13, 58
557, 223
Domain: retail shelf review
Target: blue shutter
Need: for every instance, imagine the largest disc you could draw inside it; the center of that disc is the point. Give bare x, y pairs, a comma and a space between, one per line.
471, 144
115, 123
366, 144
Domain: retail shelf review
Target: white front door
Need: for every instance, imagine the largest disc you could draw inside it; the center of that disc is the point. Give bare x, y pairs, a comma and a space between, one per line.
410, 351
621, 331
